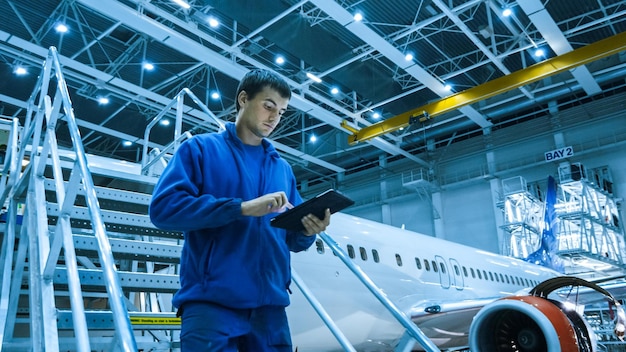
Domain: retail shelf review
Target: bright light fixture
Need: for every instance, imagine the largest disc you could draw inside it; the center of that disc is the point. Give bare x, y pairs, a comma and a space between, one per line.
334, 90
20, 71
215, 95
213, 22
539, 53
358, 17
313, 138
507, 12
127, 143
182, 4
376, 115
408, 57
148, 66
61, 28
103, 100
280, 60
447, 87
314, 77
165, 122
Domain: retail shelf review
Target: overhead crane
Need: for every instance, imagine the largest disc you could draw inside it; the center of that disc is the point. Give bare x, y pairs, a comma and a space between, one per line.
581, 56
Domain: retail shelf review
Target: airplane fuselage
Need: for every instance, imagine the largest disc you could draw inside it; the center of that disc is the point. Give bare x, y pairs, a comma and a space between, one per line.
411, 269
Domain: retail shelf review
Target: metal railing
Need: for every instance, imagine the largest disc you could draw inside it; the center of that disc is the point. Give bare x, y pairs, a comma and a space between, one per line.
44, 246
179, 136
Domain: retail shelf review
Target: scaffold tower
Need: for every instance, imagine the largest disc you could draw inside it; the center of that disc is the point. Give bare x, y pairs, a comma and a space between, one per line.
590, 233
523, 214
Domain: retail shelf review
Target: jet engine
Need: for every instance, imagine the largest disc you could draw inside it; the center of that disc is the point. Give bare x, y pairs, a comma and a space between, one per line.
537, 323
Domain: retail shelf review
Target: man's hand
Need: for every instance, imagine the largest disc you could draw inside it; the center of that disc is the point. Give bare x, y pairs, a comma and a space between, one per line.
269, 203
313, 225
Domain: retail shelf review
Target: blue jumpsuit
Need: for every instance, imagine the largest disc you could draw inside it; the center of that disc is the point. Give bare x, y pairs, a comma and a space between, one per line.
235, 270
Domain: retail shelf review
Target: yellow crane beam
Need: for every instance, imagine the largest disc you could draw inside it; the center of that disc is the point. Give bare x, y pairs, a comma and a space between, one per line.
586, 54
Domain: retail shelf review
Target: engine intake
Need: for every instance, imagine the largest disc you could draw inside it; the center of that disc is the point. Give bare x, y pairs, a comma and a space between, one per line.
528, 324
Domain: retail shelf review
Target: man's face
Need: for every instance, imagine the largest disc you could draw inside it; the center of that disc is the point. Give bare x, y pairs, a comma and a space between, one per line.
261, 115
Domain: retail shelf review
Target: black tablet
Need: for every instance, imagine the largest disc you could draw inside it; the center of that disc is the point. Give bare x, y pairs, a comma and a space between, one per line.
330, 199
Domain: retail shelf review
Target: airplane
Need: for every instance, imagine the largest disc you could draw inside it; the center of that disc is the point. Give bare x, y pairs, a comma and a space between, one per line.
457, 295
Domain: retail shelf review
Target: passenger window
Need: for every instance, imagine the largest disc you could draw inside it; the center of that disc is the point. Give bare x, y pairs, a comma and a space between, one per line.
426, 265
443, 267
363, 253
479, 276
456, 270
375, 256
485, 275
465, 271
435, 268
398, 259
320, 246
351, 251
418, 263
491, 276
473, 273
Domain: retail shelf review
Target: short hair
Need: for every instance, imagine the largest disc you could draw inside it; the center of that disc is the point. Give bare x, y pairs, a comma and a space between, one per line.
254, 81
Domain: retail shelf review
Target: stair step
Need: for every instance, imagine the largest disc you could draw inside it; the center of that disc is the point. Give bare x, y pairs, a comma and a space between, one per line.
103, 320
115, 221
131, 249
93, 279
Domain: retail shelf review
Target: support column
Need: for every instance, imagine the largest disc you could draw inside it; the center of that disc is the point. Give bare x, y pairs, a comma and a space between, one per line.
437, 203
385, 207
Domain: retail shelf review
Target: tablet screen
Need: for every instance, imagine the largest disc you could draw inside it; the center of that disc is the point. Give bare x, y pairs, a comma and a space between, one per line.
330, 199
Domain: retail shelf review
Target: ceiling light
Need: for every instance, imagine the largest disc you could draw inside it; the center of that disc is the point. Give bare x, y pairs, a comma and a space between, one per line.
213, 22
335, 90
358, 17
127, 143
280, 60
376, 115
103, 100
313, 138
182, 4
447, 87
314, 77
165, 122
507, 12
20, 71
408, 57
148, 66
215, 95
540, 53
61, 28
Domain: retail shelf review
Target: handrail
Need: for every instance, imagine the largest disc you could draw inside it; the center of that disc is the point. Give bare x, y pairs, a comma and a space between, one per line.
9, 169
123, 329
160, 155
319, 309
411, 329
9, 177
178, 100
45, 247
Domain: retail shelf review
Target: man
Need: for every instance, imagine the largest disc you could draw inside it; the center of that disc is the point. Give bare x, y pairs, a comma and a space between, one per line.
222, 189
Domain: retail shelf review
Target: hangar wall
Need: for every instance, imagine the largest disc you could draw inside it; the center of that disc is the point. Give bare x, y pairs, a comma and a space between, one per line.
467, 212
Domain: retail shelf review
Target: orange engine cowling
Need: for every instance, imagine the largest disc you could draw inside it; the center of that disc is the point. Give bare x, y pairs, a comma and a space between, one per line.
529, 323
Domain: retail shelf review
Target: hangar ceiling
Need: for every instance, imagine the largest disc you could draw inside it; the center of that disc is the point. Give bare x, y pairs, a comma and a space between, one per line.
453, 45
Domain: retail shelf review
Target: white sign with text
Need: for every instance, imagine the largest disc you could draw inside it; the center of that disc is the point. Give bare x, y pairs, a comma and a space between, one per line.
560, 153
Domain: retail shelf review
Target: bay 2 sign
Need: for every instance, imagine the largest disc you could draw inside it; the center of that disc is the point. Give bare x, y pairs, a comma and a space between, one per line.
560, 153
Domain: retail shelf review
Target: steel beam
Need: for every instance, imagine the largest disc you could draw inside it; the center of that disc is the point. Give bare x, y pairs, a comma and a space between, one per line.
581, 56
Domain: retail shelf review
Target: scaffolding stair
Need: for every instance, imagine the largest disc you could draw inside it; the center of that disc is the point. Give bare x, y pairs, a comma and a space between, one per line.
87, 257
